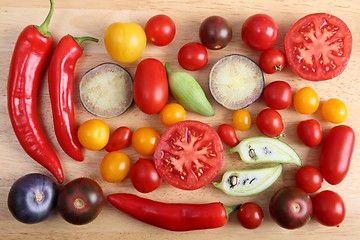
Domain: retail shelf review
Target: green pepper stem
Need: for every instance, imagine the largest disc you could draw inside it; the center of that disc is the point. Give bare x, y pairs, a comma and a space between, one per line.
43, 28
81, 40
230, 209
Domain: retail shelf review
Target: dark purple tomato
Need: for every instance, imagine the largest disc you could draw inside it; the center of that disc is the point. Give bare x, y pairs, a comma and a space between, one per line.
80, 201
215, 32
291, 207
32, 198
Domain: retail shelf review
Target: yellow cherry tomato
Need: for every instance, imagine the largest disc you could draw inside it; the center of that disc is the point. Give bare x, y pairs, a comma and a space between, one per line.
125, 42
144, 140
306, 101
115, 166
93, 134
172, 113
334, 110
242, 119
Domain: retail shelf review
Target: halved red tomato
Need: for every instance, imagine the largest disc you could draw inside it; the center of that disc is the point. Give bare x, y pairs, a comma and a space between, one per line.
318, 46
189, 155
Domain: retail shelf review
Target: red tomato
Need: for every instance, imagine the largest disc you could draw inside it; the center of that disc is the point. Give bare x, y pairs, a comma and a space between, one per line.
228, 135
309, 179
150, 86
160, 30
278, 95
193, 56
250, 215
329, 208
310, 133
272, 60
269, 122
144, 176
260, 32
189, 155
318, 46
119, 139
336, 154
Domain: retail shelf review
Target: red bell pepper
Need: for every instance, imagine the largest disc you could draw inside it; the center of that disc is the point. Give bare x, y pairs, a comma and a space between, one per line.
30, 57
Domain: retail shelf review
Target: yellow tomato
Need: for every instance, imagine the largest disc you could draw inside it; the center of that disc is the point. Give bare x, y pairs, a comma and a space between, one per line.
144, 140
306, 101
172, 113
115, 166
334, 110
242, 119
93, 134
125, 42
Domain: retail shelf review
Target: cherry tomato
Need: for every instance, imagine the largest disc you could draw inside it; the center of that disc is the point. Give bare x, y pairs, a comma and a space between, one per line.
334, 110
241, 119
309, 179
318, 46
329, 208
278, 95
306, 101
144, 176
150, 86
160, 30
310, 133
250, 215
272, 60
269, 122
144, 140
215, 32
115, 166
260, 32
193, 56
228, 135
93, 134
172, 113
119, 139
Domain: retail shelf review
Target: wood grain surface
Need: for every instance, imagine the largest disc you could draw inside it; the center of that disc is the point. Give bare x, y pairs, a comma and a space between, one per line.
91, 17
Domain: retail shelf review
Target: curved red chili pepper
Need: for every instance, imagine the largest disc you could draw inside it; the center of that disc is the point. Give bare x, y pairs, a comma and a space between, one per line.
172, 216
60, 82
30, 57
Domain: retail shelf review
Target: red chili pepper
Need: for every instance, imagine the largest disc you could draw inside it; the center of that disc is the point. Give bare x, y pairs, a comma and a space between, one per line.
172, 216
30, 57
60, 82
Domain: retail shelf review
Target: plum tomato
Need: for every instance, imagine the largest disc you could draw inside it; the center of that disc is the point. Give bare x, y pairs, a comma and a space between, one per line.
215, 32
172, 113
115, 166
193, 56
318, 46
189, 155
94, 134
310, 132
306, 100
144, 176
269, 122
144, 140
277, 95
272, 60
241, 119
260, 32
250, 215
329, 208
228, 135
291, 207
80, 201
160, 30
334, 110
119, 139
309, 179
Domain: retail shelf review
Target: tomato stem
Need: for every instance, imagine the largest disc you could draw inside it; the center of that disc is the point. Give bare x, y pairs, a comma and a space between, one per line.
79, 203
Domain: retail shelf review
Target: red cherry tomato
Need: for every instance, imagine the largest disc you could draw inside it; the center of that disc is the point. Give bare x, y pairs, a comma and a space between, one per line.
272, 60
260, 32
318, 46
269, 122
228, 135
250, 215
193, 56
160, 30
329, 208
309, 179
277, 95
143, 176
310, 133
119, 139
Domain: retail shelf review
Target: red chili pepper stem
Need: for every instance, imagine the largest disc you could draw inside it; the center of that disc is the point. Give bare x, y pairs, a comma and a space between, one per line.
43, 28
81, 40
230, 209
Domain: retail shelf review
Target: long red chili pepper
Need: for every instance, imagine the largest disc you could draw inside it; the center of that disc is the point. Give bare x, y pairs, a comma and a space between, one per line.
60, 82
172, 216
30, 57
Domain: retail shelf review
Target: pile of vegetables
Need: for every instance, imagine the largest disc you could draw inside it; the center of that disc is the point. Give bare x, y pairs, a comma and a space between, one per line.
189, 154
